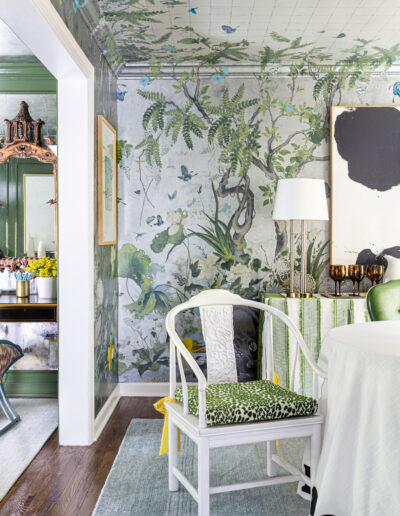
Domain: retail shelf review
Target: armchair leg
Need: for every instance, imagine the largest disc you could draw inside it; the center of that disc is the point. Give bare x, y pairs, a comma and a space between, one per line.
271, 465
315, 451
172, 454
204, 477
8, 410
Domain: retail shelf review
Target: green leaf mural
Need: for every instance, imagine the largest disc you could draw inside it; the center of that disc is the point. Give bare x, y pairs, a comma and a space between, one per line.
235, 138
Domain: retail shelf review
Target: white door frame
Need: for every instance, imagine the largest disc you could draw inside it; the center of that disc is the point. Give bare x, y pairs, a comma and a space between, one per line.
38, 25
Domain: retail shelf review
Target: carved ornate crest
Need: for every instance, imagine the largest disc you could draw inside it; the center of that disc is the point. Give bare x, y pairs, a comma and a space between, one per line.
23, 139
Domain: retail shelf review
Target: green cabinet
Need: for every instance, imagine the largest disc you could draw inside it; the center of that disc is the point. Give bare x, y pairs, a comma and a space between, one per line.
12, 219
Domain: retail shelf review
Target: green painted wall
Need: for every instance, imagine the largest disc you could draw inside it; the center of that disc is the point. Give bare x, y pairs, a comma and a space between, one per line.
31, 384
12, 202
26, 78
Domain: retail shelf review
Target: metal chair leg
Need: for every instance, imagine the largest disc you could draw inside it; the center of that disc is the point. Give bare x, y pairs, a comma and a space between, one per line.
8, 410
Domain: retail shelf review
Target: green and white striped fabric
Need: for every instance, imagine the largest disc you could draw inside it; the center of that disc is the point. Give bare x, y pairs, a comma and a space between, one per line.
314, 317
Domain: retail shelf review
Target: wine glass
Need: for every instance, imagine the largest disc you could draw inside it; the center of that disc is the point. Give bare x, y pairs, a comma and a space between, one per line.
375, 273
356, 273
338, 273
378, 272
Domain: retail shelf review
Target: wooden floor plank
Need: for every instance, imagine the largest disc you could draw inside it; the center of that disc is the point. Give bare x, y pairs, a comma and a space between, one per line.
67, 480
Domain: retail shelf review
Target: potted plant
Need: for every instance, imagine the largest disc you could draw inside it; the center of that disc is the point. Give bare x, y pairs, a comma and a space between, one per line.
45, 271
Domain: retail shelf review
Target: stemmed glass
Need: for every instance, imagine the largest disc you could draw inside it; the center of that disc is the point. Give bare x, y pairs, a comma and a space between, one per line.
337, 273
356, 273
375, 273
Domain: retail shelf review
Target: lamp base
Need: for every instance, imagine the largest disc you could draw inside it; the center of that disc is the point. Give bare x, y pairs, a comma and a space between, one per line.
306, 295
292, 294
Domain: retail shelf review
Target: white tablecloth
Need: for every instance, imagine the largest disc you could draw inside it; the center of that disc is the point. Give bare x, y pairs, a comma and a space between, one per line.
359, 469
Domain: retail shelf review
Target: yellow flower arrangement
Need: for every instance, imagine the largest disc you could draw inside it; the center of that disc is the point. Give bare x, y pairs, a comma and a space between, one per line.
43, 268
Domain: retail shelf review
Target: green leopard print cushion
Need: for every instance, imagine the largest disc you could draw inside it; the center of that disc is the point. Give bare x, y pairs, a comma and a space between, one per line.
247, 402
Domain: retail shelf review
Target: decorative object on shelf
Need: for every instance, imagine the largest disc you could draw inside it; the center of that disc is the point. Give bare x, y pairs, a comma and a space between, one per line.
300, 199
22, 288
364, 176
356, 273
392, 271
22, 283
337, 273
107, 190
45, 271
375, 273
14, 264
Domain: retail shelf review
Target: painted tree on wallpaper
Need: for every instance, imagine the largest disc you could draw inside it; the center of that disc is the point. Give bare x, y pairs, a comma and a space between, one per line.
268, 130
247, 133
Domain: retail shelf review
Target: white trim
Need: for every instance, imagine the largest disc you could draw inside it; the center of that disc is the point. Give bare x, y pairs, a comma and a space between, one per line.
146, 389
137, 70
38, 25
106, 411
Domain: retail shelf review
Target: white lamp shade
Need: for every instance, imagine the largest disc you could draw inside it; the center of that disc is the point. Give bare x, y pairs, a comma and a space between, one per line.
300, 199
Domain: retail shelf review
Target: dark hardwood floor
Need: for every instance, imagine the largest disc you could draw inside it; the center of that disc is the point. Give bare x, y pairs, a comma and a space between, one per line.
67, 480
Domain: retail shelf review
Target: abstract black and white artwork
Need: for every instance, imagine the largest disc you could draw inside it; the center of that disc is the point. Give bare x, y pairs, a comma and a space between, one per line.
365, 184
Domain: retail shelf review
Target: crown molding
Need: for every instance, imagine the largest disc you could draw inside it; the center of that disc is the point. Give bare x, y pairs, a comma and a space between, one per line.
137, 70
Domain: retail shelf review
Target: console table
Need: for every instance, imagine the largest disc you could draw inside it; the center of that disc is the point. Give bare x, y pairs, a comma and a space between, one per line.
314, 317
32, 309
26, 309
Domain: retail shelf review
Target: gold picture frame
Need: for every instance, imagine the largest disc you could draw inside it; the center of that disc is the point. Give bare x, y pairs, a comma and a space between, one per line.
107, 183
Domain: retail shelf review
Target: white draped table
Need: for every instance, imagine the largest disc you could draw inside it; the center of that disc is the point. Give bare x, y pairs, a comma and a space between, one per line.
359, 469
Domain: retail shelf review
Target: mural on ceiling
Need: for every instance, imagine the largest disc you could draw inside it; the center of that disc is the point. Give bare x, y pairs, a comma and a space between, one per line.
106, 286
197, 183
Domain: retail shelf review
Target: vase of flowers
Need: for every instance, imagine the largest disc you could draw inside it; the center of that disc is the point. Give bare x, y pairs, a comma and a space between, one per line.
45, 272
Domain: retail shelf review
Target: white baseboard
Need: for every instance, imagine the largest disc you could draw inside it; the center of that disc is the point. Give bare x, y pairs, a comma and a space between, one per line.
105, 413
144, 389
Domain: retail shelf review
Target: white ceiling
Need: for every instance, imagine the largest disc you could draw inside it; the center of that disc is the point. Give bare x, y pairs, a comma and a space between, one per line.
334, 25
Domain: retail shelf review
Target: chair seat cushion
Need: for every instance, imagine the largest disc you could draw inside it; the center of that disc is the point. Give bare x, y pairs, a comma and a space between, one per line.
261, 400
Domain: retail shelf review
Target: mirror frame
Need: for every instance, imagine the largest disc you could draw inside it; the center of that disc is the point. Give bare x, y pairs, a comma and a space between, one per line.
23, 141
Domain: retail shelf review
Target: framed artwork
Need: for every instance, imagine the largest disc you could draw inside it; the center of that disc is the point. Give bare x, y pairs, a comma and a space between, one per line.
107, 183
365, 184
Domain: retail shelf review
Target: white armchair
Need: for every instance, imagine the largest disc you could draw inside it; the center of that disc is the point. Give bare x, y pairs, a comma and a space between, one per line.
221, 412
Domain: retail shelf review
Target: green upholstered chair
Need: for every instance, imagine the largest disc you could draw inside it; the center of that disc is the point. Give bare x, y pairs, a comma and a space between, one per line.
383, 301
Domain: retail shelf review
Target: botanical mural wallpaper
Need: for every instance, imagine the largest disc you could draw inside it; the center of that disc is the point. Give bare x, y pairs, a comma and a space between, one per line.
201, 148
198, 177
106, 285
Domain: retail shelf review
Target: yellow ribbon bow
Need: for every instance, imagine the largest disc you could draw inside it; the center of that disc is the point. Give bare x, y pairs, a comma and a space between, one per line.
160, 407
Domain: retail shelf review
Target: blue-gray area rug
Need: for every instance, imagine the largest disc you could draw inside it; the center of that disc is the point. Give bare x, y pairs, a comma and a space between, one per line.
138, 481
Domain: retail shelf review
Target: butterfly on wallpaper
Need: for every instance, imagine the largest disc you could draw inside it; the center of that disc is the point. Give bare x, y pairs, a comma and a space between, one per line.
200, 189
192, 202
396, 90
138, 235
78, 4
228, 29
193, 10
157, 219
145, 80
341, 35
173, 195
121, 93
51, 202
186, 175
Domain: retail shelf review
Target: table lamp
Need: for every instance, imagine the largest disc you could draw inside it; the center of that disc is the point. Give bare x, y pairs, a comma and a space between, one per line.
300, 199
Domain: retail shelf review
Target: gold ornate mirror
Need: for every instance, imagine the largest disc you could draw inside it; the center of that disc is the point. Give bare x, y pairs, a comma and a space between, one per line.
23, 140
